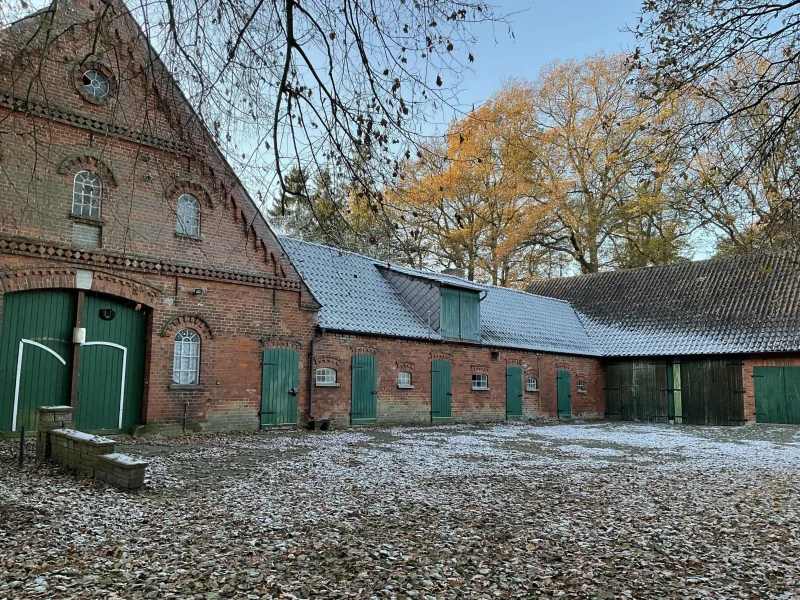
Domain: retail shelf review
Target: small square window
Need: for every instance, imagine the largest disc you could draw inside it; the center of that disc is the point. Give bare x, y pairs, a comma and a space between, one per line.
480, 381
326, 376
581, 385
404, 379
532, 384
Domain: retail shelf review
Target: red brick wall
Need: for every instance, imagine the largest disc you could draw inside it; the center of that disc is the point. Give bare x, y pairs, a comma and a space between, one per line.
777, 360
235, 322
401, 405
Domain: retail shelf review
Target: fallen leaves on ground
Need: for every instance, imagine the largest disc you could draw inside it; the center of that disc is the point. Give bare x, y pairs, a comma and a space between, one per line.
504, 511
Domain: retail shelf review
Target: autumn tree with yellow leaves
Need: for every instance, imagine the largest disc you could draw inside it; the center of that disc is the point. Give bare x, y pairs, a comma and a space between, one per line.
572, 167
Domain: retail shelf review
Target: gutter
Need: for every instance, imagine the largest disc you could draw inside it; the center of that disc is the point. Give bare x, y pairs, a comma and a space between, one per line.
311, 373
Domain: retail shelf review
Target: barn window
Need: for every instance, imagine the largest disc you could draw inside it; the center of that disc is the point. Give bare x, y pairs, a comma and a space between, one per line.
87, 190
326, 376
95, 84
532, 384
404, 379
581, 385
186, 359
188, 215
480, 381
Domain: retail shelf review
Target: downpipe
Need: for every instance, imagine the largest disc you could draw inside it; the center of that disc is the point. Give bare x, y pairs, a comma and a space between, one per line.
311, 374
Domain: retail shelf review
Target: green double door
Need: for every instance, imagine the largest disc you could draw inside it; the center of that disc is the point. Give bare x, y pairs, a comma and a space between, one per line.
441, 391
513, 393
279, 387
364, 388
777, 391
37, 359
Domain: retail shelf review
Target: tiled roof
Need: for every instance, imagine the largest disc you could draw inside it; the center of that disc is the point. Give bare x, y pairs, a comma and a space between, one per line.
748, 304
442, 278
357, 298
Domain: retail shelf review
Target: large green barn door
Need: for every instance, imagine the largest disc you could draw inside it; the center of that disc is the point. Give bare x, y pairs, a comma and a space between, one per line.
364, 394
279, 387
441, 395
614, 390
564, 406
513, 393
35, 354
777, 391
111, 370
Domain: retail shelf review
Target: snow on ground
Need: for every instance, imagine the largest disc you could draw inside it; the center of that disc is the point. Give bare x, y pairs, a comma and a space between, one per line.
456, 511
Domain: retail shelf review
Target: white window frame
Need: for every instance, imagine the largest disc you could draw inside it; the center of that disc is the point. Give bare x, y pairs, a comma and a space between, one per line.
186, 358
532, 384
87, 194
325, 377
98, 87
480, 381
188, 213
405, 380
580, 386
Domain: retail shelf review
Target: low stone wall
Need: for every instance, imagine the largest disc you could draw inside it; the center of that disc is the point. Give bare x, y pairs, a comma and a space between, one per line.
90, 454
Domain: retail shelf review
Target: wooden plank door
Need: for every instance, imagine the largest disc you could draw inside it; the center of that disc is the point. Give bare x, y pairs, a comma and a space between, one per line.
111, 369
513, 393
35, 354
364, 392
564, 405
441, 393
279, 387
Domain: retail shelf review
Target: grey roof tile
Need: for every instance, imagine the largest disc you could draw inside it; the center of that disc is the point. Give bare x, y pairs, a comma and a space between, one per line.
357, 298
739, 305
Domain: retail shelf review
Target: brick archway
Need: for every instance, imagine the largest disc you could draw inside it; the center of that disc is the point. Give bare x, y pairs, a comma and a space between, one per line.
195, 322
23, 279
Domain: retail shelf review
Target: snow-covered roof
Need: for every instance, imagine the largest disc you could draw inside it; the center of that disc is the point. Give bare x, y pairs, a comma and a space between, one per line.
747, 304
357, 298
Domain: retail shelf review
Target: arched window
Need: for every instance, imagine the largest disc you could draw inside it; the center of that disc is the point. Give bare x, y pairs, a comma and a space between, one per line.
326, 376
87, 191
532, 384
186, 359
581, 386
188, 215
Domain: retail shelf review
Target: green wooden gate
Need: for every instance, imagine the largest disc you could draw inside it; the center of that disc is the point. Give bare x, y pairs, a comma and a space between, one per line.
564, 406
279, 387
35, 354
513, 393
364, 393
712, 392
777, 391
441, 394
111, 370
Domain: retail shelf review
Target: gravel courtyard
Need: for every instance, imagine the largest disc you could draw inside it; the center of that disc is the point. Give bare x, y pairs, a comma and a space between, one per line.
505, 511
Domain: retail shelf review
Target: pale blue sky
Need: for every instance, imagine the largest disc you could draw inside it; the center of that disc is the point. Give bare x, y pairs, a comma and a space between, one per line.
545, 30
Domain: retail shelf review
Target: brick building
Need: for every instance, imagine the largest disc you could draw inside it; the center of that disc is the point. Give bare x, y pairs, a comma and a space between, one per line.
713, 342
124, 229
407, 345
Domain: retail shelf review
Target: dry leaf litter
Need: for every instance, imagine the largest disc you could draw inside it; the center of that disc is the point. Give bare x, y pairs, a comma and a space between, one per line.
458, 511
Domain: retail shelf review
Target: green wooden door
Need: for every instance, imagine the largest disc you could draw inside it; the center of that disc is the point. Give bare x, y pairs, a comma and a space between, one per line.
111, 370
35, 354
777, 391
441, 394
513, 393
279, 387
364, 393
564, 406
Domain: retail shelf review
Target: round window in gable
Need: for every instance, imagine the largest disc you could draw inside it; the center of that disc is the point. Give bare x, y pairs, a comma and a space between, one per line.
95, 84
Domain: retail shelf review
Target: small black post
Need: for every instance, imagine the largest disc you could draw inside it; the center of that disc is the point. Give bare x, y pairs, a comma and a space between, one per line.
22, 447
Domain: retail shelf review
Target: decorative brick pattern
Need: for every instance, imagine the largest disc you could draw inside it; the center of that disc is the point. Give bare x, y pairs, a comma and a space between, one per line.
88, 162
196, 322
